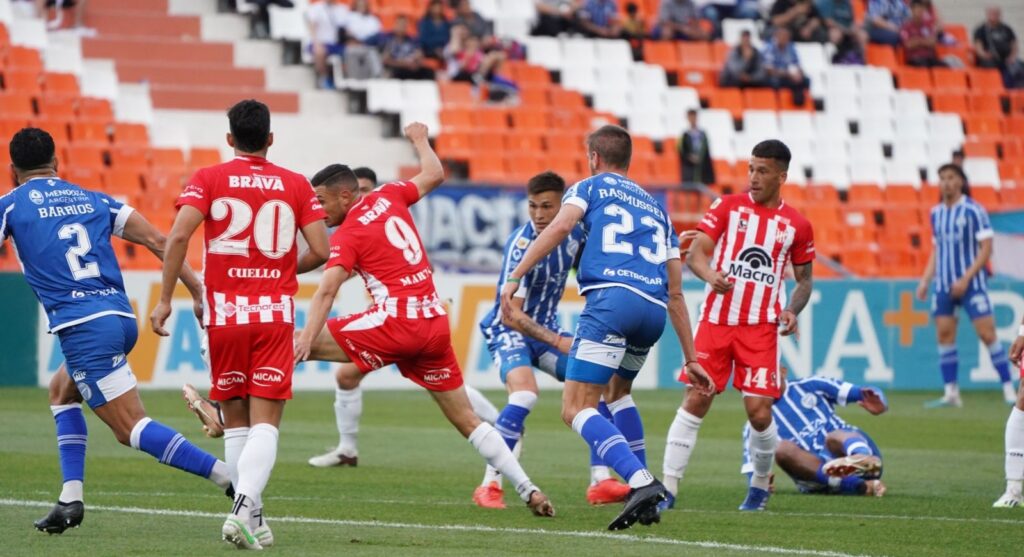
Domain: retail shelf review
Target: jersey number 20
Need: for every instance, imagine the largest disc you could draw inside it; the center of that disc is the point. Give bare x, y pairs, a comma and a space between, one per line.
610, 242
273, 229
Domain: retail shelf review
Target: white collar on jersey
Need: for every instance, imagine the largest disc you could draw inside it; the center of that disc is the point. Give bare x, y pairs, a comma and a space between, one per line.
41, 178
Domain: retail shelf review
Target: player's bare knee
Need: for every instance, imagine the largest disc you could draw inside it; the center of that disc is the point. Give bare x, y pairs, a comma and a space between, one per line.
348, 379
785, 454
697, 404
760, 418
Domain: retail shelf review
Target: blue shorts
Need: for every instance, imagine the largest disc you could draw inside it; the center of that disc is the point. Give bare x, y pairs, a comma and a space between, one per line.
510, 349
333, 49
616, 332
96, 354
975, 301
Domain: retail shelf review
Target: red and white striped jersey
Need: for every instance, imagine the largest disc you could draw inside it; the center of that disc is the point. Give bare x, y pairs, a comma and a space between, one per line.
379, 241
253, 211
753, 244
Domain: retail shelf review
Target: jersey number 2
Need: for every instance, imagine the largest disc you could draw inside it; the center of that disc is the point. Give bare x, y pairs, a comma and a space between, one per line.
611, 244
273, 229
76, 252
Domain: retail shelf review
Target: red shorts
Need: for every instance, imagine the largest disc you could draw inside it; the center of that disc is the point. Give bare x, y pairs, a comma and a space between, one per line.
751, 350
252, 360
420, 348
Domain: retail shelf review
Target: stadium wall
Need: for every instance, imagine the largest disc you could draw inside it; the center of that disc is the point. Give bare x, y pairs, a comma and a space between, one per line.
18, 332
864, 331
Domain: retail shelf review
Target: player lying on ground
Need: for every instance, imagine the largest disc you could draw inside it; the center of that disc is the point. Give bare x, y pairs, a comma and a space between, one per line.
252, 212
530, 337
407, 324
744, 245
817, 449
62, 234
630, 274
1015, 435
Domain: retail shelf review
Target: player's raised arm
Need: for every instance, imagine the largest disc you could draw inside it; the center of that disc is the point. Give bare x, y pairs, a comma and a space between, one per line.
699, 261
138, 230
319, 309
431, 171
555, 233
175, 248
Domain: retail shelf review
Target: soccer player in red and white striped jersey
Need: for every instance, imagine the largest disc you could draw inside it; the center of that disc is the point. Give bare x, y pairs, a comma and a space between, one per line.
253, 211
742, 249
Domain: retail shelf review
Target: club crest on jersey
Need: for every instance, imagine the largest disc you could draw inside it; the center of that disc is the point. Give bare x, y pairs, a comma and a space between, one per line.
808, 401
610, 180
35, 197
522, 243
228, 309
742, 225
256, 181
749, 264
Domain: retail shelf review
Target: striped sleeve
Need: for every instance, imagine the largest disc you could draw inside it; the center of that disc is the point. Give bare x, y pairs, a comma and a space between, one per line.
6, 206
119, 213
980, 222
839, 392
578, 194
514, 250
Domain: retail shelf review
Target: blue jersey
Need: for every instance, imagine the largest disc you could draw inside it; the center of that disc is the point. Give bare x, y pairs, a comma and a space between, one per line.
542, 287
629, 237
62, 235
956, 232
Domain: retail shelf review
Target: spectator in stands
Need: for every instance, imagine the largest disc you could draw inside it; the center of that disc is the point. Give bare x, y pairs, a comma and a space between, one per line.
717, 10
477, 25
884, 20
782, 66
326, 22
919, 38
843, 31
744, 67
434, 30
43, 6
995, 46
600, 19
260, 23
802, 19
554, 17
635, 30
695, 153
402, 55
679, 19
362, 30
468, 61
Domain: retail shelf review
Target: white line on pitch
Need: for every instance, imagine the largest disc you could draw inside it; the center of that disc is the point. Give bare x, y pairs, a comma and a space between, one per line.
459, 528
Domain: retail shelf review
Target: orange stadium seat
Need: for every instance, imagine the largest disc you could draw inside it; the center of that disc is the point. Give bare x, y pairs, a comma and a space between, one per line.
130, 157
986, 103
985, 79
882, 55
85, 156
28, 81
9, 127
97, 110
955, 102
168, 160
527, 73
864, 195
160, 182
488, 141
24, 58
1013, 146
914, 78
525, 142
1012, 175
563, 143
453, 145
56, 127
534, 97
696, 55
456, 119
643, 146
566, 167
1015, 125
902, 195
898, 262
89, 133
1013, 197
980, 148
61, 85
487, 167
564, 98
760, 99
900, 218
122, 182
984, 126
823, 195
56, 107
199, 157
729, 99
988, 197
490, 118
719, 53
131, 134
786, 102
949, 80
85, 176
1016, 102
530, 118
456, 93
16, 105
861, 261
662, 53
522, 166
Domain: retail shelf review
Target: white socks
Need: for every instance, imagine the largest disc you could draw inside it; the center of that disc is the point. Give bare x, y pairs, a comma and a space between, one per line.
482, 407
348, 411
489, 443
492, 474
952, 391
761, 446
255, 464
234, 442
72, 491
599, 474
1015, 450
682, 438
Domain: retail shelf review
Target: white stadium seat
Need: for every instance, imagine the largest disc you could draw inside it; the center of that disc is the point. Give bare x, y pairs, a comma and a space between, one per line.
831, 151
650, 76
611, 78
615, 101
649, 124
488, 9
733, 28
544, 51
796, 124
425, 115
421, 94
910, 103
879, 128
578, 52
614, 53
867, 172
911, 128
875, 105
830, 125
946, 125
812, 57
866, 149
982, 171
875, 80
902, 173
911, 151
831, 173
99, 79
384, 95
761, 122
579, 78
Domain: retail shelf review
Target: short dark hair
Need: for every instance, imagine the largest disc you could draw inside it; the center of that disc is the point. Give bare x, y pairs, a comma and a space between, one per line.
613, 144
250, 125
775, 150
334, 175
956, 168
545, 181
366, 173
691, 112
31, 149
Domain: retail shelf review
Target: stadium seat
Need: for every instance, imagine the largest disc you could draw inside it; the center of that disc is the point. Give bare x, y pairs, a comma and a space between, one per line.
984, 126
910, 150
649, 124
761, 122
200, 157
579, 78
170, 161
126, 182
85, 176
837, 174
544, 51
985, 80
901, 195
22, 58
523, 73
85, 156
911, 127
420, 94
486, 167
733, 28
648, 76
90, 133
910, 103
384, 95
614, 53
866, 149
882, 55
947, 126
29, 82
955, 102
760, 99
865, 194
949, 80
490, 118
914, 78
662, 53
842, 104
982, 171
813, 59
16, 106
796, 124
615, 101
988, 197
902, 172
696, 54
875, 105
95, 110
831, 125
60, 86
129, 157
975, 147
136, 135
730, 99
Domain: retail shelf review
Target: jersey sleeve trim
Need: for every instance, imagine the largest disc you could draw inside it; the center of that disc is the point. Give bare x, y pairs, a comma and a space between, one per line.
844, 393
3, 222
122, 218
577, 201
674, 253
984, 234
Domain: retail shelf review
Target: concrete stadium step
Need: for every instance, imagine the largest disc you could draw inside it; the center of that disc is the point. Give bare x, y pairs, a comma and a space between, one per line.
202, 97
157, 50
223, 27
203, 75
130, 23
193, 7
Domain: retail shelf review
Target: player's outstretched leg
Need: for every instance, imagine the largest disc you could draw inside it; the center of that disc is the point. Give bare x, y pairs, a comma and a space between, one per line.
949, 362
681, 441
858, 458
761, 445
1014, 457
489, 443
348, 411
72, 436
206, 410
604, 489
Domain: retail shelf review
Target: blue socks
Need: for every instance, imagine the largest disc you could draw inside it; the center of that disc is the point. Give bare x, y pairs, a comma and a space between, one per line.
857, 445
171, 448
602, 409
72, 436
1000, 361
610, 445
849, 485
512, 417
627, 419
948, 362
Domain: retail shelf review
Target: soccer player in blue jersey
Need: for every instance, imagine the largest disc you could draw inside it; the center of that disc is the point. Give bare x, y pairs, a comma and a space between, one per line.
630, 273
957, 276
817, 449
530, 337
62, 235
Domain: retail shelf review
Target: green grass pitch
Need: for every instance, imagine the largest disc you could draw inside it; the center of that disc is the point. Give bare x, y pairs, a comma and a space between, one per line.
411, 493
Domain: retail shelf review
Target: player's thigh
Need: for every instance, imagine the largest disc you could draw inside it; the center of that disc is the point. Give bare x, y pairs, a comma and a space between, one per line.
521, 379
121, 414
230, 350
96, 356
978, 307
62, 388
455, 406
714, 346
796, 462
509, 351
945, 329
599, 347
756, 360
271, 362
